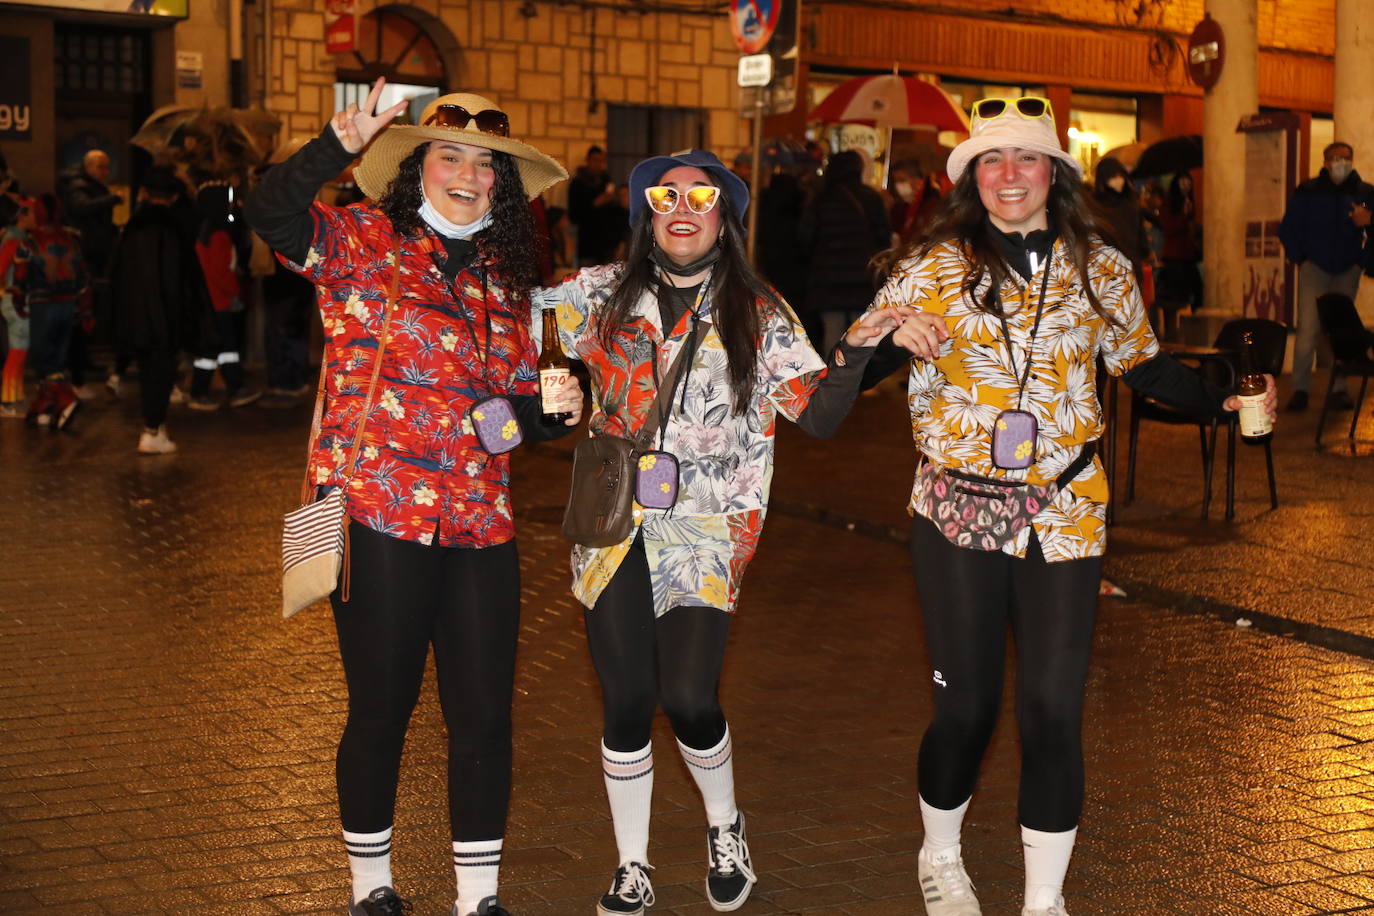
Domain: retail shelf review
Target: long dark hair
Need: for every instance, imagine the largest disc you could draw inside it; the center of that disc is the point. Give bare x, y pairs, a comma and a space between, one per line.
963, 218
736, 294
507, 246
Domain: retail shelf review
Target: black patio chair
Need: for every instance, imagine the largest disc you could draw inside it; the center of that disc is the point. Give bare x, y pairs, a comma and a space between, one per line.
1270, 340
1350, 352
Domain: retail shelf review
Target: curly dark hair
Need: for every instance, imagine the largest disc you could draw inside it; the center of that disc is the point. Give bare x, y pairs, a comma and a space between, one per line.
740, 300
508, 246
963, 219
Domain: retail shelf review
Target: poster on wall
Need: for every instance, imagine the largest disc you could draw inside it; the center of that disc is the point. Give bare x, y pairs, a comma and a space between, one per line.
15, 97
340, 26
1267, 183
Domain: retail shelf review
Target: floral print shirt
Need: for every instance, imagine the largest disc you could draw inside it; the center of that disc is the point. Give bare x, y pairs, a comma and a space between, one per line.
697, 550
954, 400
421, 473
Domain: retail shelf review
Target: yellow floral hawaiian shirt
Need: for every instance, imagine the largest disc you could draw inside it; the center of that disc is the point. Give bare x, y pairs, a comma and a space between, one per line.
697, 550
954, 400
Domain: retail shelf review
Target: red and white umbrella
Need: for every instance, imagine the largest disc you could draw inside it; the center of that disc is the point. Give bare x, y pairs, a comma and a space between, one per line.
891, 101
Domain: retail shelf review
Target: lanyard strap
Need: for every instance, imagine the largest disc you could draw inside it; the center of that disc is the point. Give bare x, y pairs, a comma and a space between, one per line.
1030, 347
482, 354
677, 373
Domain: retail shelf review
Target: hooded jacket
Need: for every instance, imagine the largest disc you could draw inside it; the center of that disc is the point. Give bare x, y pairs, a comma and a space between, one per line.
1317, 224
1121, 212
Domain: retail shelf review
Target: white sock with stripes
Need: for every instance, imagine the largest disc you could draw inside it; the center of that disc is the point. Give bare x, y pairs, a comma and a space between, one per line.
476, 864
943, 827
1047, 862
369, 859
713, 770
630, 789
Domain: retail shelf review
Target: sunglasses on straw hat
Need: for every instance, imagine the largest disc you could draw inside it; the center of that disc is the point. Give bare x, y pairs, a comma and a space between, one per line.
1028, 107
489, 121
700, 199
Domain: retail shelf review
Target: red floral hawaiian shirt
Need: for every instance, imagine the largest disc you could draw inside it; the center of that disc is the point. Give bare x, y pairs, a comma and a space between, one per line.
421, 471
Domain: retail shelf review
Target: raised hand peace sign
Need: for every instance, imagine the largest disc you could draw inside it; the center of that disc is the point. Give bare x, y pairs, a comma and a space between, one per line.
355, 127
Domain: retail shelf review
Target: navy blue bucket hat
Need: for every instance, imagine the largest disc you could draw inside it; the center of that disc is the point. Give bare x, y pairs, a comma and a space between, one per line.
650, 171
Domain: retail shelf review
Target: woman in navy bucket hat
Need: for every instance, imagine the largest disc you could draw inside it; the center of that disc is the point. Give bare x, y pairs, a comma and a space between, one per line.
659, 604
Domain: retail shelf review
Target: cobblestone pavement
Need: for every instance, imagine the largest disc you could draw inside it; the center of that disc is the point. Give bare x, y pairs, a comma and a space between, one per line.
168, 740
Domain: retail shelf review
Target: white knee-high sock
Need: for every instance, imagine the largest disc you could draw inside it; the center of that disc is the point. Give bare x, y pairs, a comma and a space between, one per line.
713, 770
943, 827
369, 859
1047, 862
476, 864
630, 789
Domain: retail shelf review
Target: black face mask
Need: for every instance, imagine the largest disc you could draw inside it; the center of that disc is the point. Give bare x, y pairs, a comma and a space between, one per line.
684, 270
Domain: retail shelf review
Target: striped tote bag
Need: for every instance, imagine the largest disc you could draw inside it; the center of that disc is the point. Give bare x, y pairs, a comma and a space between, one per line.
312, 551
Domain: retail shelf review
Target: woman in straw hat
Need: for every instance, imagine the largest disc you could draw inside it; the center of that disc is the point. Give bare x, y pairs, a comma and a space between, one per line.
1019, 298
436, 273
659, 604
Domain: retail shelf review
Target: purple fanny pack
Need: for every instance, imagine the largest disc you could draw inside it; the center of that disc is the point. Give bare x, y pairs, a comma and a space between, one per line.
494, 422
656, 480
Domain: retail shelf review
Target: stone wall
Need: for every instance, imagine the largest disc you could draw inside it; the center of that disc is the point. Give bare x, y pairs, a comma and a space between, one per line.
538, 68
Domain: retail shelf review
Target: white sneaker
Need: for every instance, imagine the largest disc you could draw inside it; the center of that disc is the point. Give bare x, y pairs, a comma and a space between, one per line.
115, 384
177, 396
946, 887
1054, 909
155, 442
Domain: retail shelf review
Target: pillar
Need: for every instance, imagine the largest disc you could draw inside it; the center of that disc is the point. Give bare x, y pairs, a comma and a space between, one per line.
1350, 109
1234, 95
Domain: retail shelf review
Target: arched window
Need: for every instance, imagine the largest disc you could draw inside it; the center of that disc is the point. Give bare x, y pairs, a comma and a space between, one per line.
390, 44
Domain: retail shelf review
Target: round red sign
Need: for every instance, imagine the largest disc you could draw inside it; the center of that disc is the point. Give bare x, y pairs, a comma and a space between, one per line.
752, 23
1206, 52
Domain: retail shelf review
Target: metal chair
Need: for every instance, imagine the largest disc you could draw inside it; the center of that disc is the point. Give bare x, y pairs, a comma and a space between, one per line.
1270, 340
1350, 351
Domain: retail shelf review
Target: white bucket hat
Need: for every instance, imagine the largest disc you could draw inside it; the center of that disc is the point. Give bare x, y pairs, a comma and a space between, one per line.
382, 159
1010, 128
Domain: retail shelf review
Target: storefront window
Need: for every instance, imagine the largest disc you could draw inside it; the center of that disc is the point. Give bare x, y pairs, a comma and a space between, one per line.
1099, 124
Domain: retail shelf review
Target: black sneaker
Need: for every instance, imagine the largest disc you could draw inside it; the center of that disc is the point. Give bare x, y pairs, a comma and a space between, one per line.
1339, 400
381, 902
631, 891
732, 873
1297, 402
489, 906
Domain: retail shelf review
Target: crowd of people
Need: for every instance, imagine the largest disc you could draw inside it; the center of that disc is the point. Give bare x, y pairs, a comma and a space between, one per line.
1001, 291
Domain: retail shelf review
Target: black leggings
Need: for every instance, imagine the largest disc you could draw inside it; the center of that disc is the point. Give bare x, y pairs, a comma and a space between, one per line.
404, 597
968, 597
674, 660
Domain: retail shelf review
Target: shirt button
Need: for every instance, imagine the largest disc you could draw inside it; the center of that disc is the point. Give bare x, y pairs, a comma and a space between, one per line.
637, 513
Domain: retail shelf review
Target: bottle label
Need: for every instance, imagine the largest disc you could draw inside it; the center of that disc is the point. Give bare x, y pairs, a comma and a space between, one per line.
551, 382
1254, 420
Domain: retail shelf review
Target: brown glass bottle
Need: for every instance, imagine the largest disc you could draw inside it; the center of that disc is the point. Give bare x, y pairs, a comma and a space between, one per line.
553, 370
1256, 427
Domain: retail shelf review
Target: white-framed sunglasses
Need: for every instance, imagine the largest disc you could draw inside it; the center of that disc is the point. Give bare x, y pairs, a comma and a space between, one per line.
700, 198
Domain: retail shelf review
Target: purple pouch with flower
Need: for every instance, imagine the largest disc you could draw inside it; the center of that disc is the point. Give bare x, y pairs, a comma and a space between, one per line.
656, 480
1013, 440
494, 421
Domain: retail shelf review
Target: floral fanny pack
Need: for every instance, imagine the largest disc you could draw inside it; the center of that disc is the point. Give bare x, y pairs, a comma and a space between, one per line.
984, 513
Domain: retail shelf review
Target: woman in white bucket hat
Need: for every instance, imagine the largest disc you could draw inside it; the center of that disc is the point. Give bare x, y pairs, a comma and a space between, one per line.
435, 275
1019, 298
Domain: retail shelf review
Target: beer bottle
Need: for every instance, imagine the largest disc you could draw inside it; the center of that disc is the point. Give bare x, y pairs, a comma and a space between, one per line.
1256, 427
553, 371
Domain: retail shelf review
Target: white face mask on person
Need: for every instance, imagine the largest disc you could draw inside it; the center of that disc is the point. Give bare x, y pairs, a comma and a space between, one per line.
1340, 169
905, 190
445, 227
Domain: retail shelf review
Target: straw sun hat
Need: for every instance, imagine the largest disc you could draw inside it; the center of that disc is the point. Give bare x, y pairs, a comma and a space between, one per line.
383, 157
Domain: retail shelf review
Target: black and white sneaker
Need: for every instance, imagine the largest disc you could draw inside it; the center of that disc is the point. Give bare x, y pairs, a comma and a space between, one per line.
732, 872
489, 906
382, 902
631, 891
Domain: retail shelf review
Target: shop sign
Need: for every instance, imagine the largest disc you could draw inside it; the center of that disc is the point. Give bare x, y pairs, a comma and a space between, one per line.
15, 97
340, 26
752, 23
1206, 52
